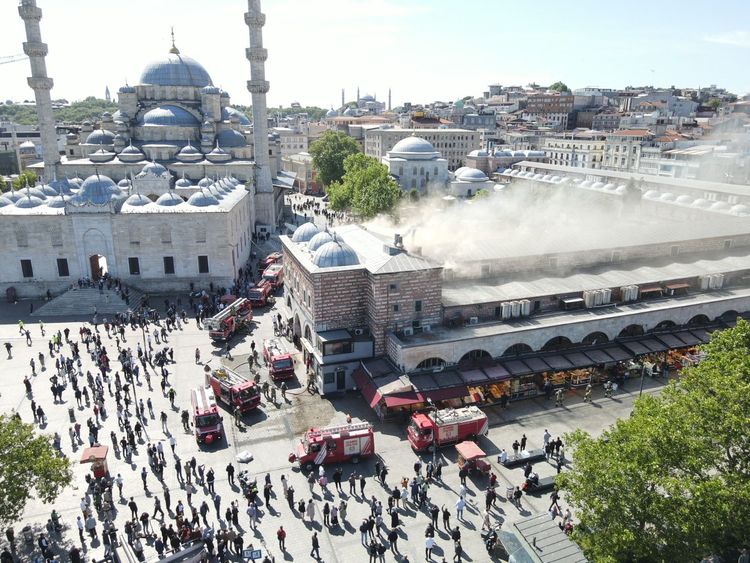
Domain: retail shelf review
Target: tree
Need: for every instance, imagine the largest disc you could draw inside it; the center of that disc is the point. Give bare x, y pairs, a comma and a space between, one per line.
714, 103
26, 177
481, 194
559, 87
29, 468
329, 153
3, 184
672, 482
366, 189
414, 195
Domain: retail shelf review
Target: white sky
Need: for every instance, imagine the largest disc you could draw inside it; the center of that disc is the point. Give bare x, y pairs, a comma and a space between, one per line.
423, 49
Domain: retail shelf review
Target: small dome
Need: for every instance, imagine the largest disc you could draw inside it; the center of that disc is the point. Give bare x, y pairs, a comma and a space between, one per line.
58, 201
205, 182
126, 90
667, 197
47, 190
77, 181
651, 194
684, 200
189, 153
215, 191
585, 184
155, 169
739, 209
176, 70
701, 203
622, 190
4, 201
138, 200
35, 192
547, 178
210, 90
413, 145
124, 184
231, 138
100, 137
332, 113
538, 176
130, 149
218, 154
609, 187
183, 183
319, 240
720, 206
471, 175
99, 190
169, 199
202, 199
335, 254
29, 201
305, 232
173, 116
224, 94
101, 155
478, 152
349, 112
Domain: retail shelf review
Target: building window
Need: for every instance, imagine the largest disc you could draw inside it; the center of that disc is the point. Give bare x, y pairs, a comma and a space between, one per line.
22, 237
202, 264
200, 234
166, 235
27, 269
134, 266
333, 348
393, 287
169, 264
62, 267
727, 244
395, 308
674, 250
418, 305
56, 235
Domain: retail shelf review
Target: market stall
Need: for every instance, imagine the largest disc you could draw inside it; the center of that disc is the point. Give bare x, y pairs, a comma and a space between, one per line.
97, 457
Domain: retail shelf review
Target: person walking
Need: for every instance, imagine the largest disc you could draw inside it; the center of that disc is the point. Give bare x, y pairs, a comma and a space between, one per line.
429, 545
281, 536
393, 540
460, 505
230, 474
315, 551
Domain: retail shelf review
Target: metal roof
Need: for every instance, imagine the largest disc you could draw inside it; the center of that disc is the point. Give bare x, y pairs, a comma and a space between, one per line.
538, 539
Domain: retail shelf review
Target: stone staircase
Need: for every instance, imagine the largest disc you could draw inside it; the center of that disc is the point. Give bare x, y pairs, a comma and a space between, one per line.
83, 302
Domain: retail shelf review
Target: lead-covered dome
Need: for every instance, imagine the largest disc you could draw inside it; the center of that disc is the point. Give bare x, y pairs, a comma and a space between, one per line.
100, 137
169, 199
168, 114
99, 190
227, 112
231, 138
413, 145
137, 200
176, 70
305, 232
335, 254
155, 169
202, 199
319, 240
29, 201
471, 175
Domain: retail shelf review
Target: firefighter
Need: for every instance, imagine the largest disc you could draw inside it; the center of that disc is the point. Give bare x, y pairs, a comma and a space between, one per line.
273, 394
265, 389
238, 417
283, 390
186, 420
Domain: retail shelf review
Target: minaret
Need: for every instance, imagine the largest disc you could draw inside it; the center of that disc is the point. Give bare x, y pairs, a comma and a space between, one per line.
357, 100
41, 84
389, 99
342, 98
258, 87
107, 96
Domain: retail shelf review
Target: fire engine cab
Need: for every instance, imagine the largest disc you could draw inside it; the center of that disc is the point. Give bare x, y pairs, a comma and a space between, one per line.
280, 362
334, 444
233, 389
205, 413
274, 275
446, 426
273, 258
229, 320
260, 295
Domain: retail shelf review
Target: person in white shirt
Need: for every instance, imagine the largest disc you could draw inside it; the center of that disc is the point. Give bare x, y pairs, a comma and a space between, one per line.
503, 457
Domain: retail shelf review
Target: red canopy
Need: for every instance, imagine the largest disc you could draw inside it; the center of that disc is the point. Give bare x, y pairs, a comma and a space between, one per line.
228, 299
403, 399
94, 453
469, 450
368, 389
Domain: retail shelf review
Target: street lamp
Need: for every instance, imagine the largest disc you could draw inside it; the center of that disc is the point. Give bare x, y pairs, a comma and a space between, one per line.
434, 433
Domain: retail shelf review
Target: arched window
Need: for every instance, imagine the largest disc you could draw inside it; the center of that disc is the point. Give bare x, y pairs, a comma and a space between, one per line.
431, 363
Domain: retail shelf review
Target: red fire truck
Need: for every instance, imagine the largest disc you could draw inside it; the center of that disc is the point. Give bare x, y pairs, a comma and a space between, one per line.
261, 294
274, 275
272, 258
446, 426
229, 320
233, 390
205, 413
280, 362
334, 444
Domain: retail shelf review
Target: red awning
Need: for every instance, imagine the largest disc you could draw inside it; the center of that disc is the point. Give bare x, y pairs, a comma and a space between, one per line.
403, 399
94, 453
446, 393
368, 389
469, 450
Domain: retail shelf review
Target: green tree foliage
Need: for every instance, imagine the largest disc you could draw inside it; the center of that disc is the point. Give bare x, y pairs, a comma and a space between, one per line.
714, 103
29, 468
329, 153
559, 87
672, 482
26, 177
367, 189
481, 194
90, 109
3, 185
414, 194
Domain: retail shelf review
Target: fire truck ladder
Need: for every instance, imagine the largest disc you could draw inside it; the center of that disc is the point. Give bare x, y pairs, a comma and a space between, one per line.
227, 312
229, 377
339, 429
455, 415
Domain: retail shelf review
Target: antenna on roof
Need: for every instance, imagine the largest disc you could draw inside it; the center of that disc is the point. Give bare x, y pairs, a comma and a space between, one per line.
174, 50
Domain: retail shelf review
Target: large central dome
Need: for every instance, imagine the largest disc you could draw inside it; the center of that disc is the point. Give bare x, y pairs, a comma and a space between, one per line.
176, 70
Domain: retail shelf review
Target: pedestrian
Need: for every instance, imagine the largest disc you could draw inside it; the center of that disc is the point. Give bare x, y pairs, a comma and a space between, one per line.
315, 546
523, 443
362, 483
281, 536
587, 394
310, 510
460, 505
429, 545
446, 518
393, 540
133, 508
326, 514
457, 552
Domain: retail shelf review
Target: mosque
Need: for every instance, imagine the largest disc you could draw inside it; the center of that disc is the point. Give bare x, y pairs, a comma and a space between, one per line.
165, 192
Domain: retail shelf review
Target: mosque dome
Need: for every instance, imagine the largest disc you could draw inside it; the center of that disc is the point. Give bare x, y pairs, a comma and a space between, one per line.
478, 152
99, 190
224, 94
131, 154
701, 203
228, 112
76, 181
332, 113
215, 191
739, 209
218, 154
102, 155
124, 184
13, 195
471, 175
169, 199
211, 90
58, 201
175, 70
47, 190
319, 240
202, 199
4, 201
349, 112
189, 153
155, 169
335, 254
684, 200
231, 138
167, 114
668, 197
204, 182
34, 192
305, 232
29, 201
720, 206
183, 183
138, 200
100, 137
413, 145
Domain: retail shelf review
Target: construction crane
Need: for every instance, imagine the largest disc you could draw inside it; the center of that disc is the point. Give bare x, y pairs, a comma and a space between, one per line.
13, 59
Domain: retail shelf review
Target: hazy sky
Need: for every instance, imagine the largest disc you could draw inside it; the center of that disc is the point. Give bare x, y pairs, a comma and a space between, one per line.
425, 50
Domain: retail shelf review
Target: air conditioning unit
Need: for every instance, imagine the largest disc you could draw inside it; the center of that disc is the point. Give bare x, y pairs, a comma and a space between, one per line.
705, 281
408, 331
359, 331
525, 307
473, 320
506, 310
515, 308
426, 328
